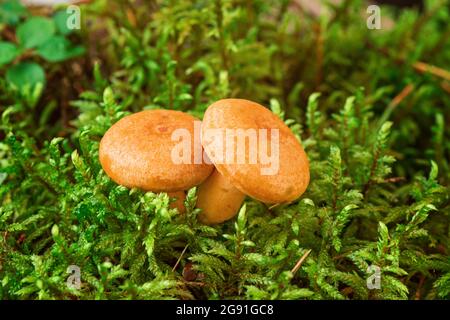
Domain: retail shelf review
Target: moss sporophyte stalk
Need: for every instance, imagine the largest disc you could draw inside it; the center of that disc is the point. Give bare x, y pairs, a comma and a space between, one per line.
118, 179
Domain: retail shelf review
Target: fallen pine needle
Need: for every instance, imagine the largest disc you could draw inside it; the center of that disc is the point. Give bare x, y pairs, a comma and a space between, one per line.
446, 86
439, 72
395, 102
299, 263
274, 206
179, 259
402, 95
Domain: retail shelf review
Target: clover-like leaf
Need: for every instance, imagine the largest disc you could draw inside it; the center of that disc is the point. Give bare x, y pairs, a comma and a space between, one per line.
60, 18
25, 74
8, 52
35, 32
11, 11
58, 48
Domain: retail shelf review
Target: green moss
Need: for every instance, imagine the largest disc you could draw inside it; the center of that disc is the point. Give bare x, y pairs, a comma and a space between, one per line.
379, 192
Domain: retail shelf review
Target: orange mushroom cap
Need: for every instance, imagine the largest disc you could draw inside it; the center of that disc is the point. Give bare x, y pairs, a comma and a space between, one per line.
292, 177
137, 152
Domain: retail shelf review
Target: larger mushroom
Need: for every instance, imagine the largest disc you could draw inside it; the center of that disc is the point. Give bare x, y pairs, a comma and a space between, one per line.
136, 152
222, 194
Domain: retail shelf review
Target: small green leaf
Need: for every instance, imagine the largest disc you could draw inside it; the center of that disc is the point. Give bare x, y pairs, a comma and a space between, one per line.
276, 108
8, 52
5, 281
434, 171
242, 218
3, 177
35, 31
55, 230
25, 74
60, 18
308, 202
58, 48
11, 11
108, 96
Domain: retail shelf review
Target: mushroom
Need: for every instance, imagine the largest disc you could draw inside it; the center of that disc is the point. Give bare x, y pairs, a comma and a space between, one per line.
228, 138
136, 152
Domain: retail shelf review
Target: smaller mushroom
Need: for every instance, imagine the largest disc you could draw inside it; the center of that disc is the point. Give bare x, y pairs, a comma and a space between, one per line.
228, 136
136, 152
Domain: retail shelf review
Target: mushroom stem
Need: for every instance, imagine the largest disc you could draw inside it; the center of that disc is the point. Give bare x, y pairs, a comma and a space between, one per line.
179, 197
218, 199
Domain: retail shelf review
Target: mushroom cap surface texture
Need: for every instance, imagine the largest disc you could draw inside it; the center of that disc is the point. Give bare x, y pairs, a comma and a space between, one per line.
290, 168
136, 152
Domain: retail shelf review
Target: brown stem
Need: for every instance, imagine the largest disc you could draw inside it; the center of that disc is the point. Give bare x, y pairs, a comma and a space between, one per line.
319, 54
418, 66
372, 173
223, 49
419, 287
395, 102
9, 35
446, 86
423, 67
